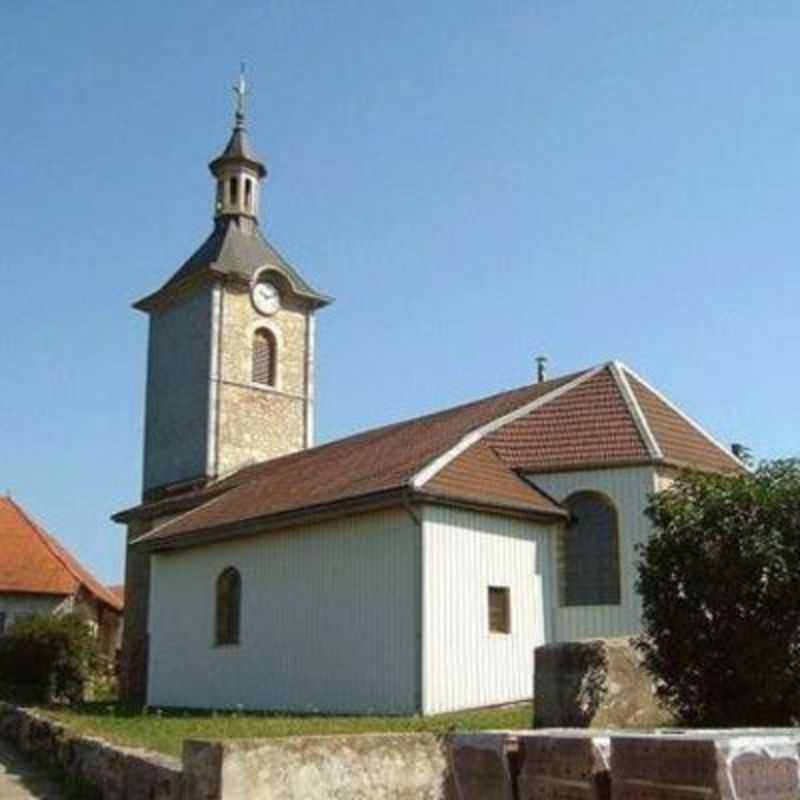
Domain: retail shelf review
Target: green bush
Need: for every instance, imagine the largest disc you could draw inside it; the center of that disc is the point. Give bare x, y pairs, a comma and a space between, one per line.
47, 657
720, 586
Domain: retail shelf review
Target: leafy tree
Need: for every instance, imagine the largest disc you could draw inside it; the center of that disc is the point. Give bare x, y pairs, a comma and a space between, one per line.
720, 585
47, 657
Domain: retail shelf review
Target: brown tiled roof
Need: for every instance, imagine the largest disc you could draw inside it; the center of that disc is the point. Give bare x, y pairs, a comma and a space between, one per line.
681, 442
479, 474
602, 417
589, 425
377, 461
32, 561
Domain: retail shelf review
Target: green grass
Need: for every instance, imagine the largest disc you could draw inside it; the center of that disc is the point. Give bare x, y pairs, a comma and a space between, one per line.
165, 731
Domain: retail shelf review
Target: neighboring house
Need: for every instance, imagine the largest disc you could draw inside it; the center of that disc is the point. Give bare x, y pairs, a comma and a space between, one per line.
39, 576
412, 568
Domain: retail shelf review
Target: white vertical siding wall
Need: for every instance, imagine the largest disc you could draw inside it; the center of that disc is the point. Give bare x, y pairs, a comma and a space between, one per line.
463, 554
329, 620
629, 489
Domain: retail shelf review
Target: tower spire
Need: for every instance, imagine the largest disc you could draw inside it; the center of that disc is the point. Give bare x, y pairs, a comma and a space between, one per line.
238, 171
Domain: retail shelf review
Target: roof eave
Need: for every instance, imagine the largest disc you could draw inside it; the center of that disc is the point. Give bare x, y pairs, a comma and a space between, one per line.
164, 296
494, 507
150, 542
537, 469
400, 495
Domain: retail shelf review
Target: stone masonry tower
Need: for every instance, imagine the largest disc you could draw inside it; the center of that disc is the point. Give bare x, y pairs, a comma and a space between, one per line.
231, 351
230, 373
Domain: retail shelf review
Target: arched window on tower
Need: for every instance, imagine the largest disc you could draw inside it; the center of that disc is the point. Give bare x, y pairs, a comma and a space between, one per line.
229, 606
248, 194
233, 191
588, 552
265, 354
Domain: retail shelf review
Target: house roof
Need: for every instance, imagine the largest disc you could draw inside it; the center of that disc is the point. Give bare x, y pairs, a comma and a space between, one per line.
34, 562
474, 453
118, 590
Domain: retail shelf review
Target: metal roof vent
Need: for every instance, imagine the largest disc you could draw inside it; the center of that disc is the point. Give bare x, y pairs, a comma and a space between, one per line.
541, 368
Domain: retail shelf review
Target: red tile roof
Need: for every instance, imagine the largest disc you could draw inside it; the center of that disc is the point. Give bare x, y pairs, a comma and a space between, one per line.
681, 441
119, 592
602, 417
589, 425
478, 474
32, 561
380, 460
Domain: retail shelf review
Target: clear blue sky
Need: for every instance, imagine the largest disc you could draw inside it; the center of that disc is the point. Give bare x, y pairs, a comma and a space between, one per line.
476, 182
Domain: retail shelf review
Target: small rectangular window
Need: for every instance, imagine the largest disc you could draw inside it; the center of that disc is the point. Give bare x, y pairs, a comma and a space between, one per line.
499, 609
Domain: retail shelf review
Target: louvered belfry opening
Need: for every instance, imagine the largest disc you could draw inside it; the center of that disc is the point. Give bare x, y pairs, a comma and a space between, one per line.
264, 357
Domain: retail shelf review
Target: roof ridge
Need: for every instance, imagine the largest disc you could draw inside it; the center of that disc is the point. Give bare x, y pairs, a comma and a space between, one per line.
422, 476
617, 370
58, 551
380, 429
685, 417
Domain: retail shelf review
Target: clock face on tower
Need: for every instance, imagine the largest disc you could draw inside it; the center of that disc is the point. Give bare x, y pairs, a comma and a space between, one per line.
266, 298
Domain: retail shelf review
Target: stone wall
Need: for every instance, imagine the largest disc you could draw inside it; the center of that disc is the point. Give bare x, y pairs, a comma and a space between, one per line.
597, 683
402, 767
257, 423
94, 767
496, 765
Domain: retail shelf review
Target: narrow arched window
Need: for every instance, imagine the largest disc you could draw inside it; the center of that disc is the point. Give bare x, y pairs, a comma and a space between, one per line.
248, 194
589, 552
229, 606
264, 357
233, 191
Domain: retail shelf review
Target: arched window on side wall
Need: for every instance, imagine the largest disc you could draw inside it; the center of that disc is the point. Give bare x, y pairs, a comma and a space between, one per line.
589, 572
229, 606
265, 354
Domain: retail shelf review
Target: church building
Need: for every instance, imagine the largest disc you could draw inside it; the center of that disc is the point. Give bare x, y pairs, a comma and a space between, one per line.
408, 569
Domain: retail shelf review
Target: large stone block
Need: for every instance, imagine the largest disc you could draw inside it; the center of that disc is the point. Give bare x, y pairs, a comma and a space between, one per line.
716, 765
481, 765
563, 766
393, 767
597, 683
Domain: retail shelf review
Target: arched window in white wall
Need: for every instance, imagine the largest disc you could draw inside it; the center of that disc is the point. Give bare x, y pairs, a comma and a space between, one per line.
589, 573
265, 355
248, 194
233, 191
228, 606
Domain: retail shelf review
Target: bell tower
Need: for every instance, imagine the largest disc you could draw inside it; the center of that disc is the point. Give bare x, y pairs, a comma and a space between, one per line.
230, 363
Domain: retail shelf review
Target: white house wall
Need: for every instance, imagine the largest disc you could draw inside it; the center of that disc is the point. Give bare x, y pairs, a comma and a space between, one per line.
329, 620
629, 489
464, 553
17, 606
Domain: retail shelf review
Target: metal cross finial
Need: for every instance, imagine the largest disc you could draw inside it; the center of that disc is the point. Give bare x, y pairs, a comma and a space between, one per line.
240, 90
